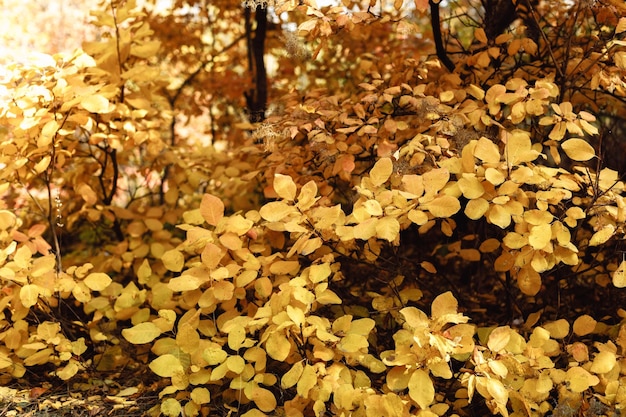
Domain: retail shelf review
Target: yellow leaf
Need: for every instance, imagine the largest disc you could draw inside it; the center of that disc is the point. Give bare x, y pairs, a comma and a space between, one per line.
471, 187
187, 338
619, 275
584, 325
443, 206
141, 333
285, 187
263, 398
540, 236
603, 362
602, 235
579, 379
292, 376
444, 304
29, 294
276, 211
353, 343
528, 280
166, 365
68, 370
200, 395
381, 171
97, 281
173, 260
214, 355
307, 380
7, 219
499, 393
388, 228
421, 389
236, 336
212, 209
235, 364
519, 148
578, 149
96, 103
278, 347
487, 151
307, 196
184, 283
319, 272
170, 407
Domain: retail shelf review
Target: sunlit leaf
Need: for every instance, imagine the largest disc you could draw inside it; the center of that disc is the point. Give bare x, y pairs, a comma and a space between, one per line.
141, 333
173, 260
578, 149
421, 388
97, 281
166, 365
285, 187
96, 103
212, 209
381, 171
443, 206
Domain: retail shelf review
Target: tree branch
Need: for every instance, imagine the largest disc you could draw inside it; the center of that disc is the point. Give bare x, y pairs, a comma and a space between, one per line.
440, 48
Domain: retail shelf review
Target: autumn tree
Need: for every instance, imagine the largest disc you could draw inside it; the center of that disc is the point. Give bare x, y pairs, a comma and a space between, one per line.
364, 208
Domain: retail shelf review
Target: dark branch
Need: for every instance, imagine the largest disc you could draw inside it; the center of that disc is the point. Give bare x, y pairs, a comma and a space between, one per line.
436, 24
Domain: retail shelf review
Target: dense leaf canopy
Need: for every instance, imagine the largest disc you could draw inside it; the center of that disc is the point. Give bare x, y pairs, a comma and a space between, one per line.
351, 209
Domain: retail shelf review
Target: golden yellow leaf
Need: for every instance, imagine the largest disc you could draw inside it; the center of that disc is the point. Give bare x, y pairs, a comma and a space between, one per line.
276, 211
558, 329
141, 333
381, 171
415, 318
352, 343
29, 294
602, 235
476, 208
187, 338
96, 103
97, 281
307, 196
7, 219
173, 260
580, 379
263, 398
387, 228
584, 325
444, 304
471, 187
285, 187
487, 151
214, 355
278, 346
443, 206
528, 280
578, 149
421, 389
166, 365
307, 380
69, 370
619, 275
519, 148
539, 236
236, 336
170, 407
292, 376
235, 364
499, 393
603, 363
200, 395
212, 209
